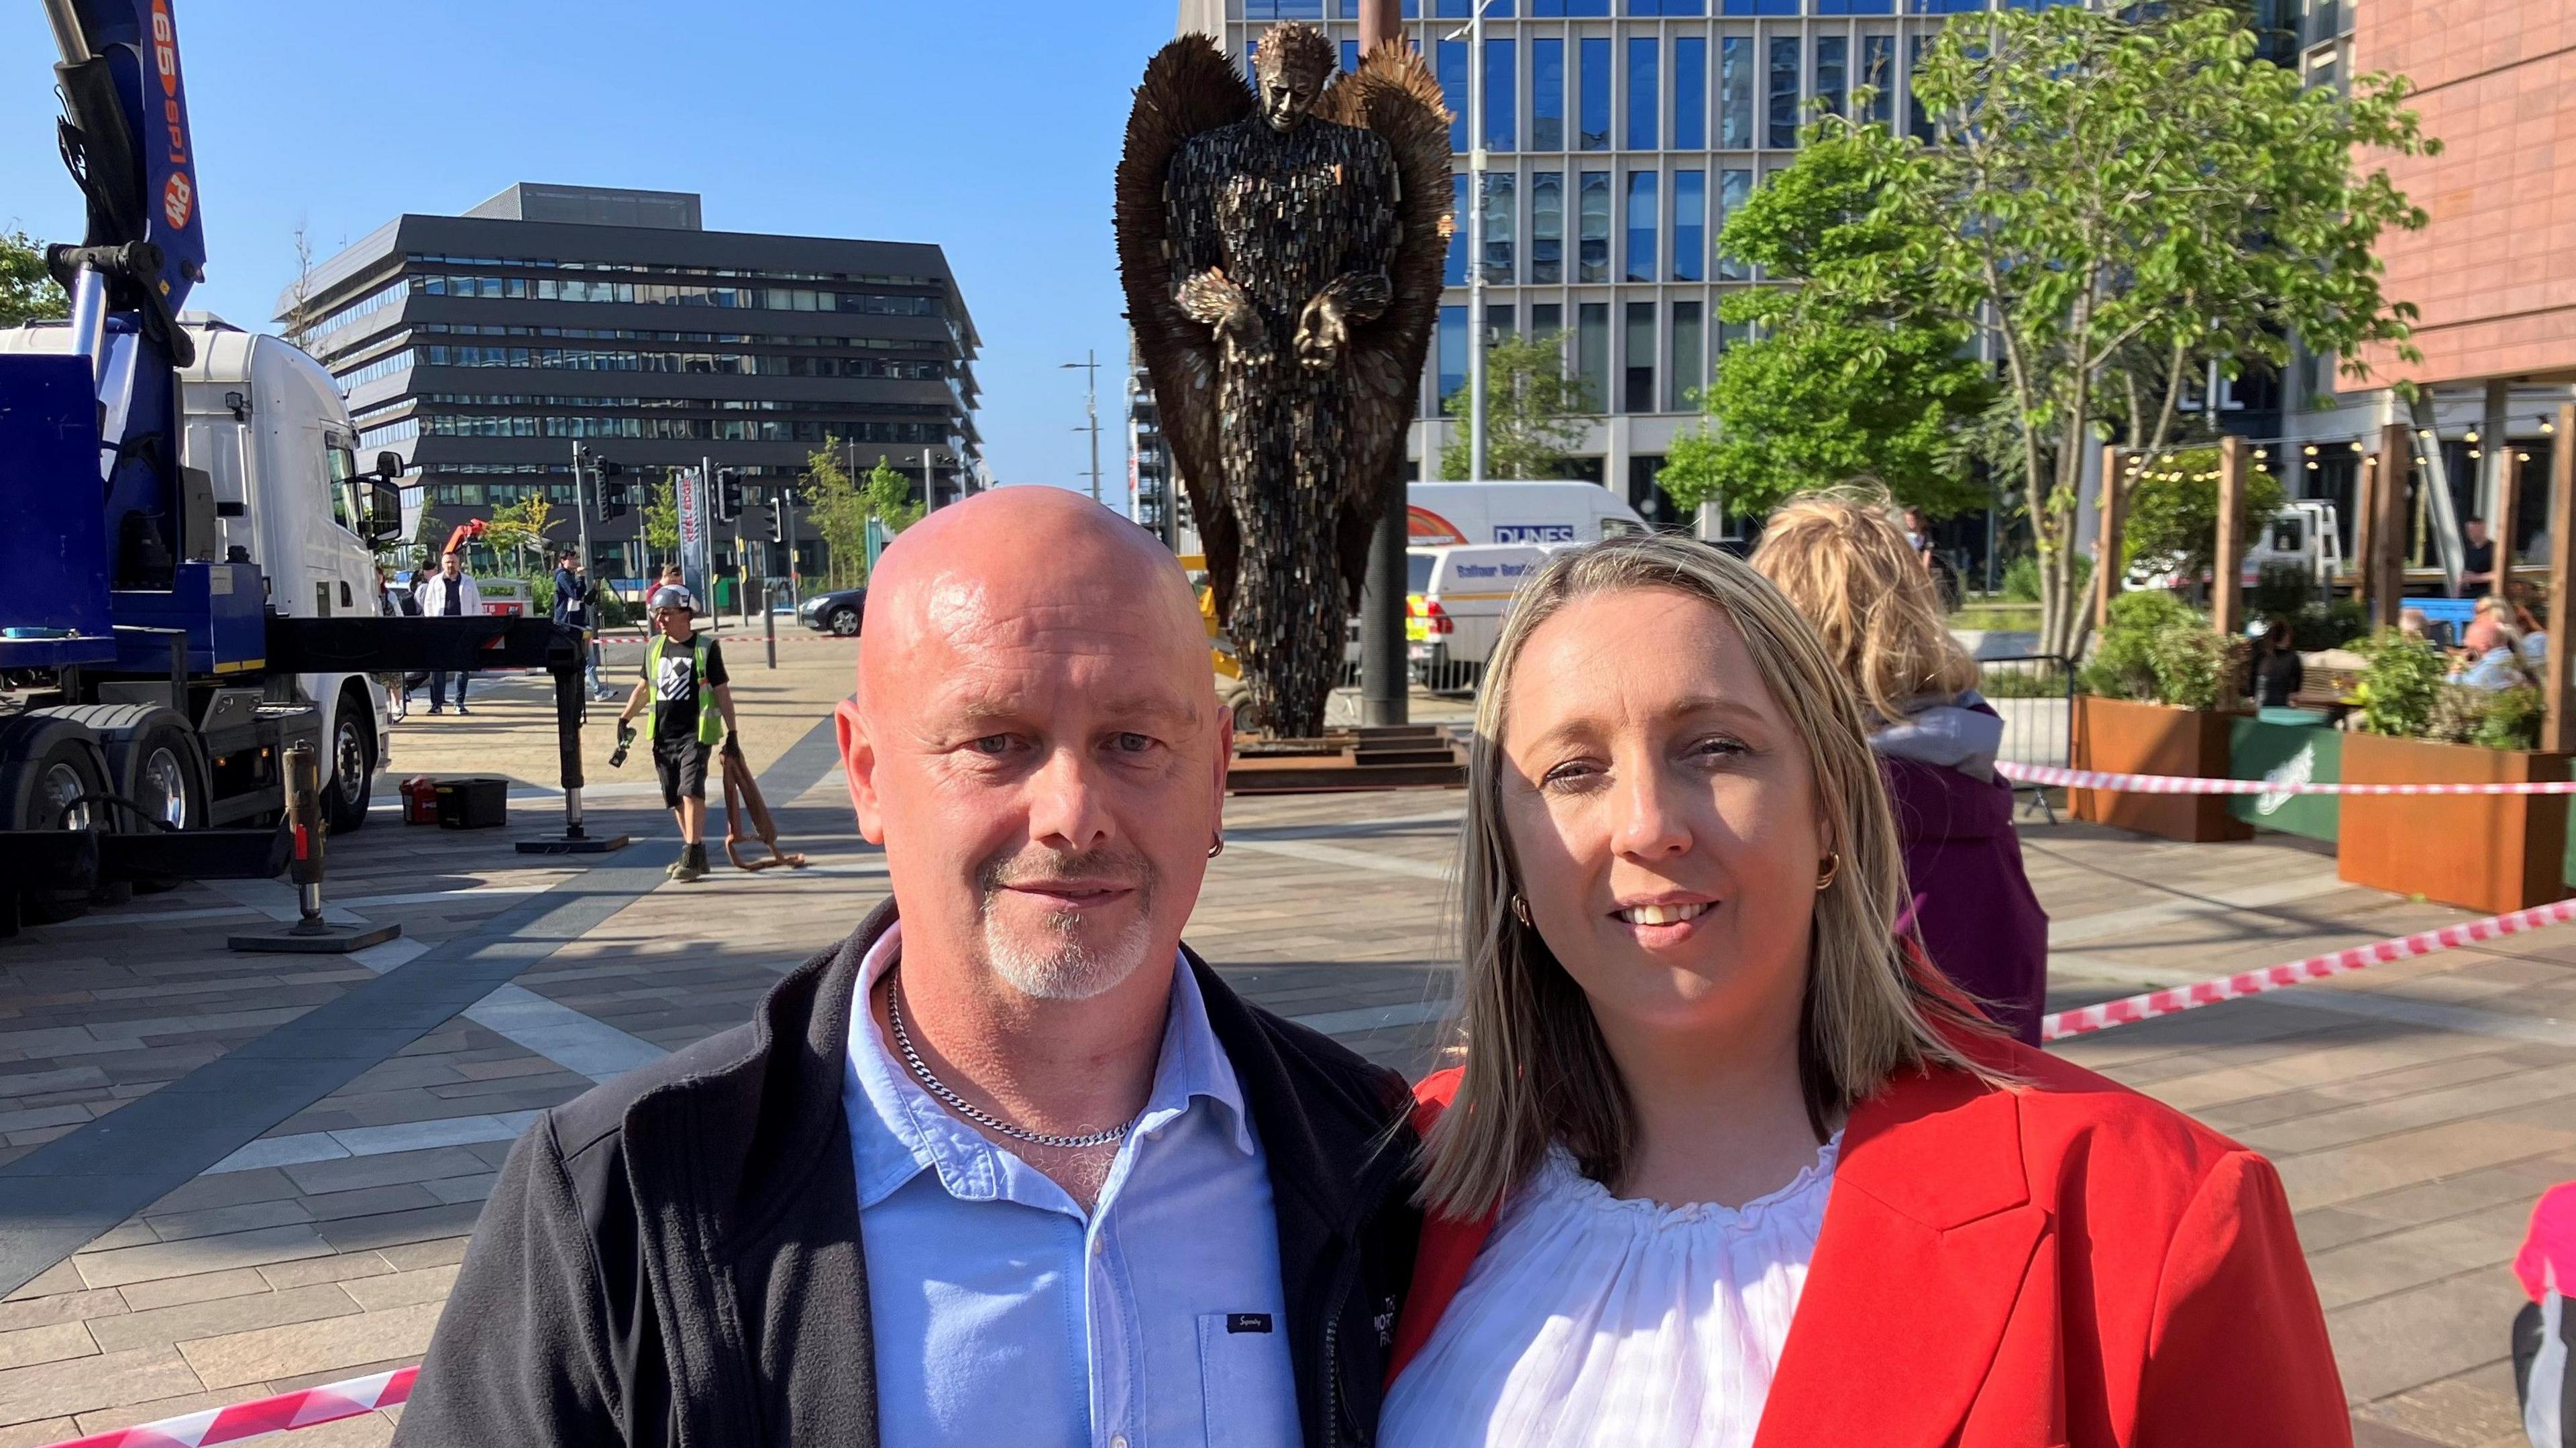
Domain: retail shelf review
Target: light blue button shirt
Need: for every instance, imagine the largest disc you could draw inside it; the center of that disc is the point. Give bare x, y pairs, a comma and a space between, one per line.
1004, 1315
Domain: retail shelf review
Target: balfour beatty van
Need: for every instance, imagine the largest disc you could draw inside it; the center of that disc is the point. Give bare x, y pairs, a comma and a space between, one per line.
1454, 604
1524, 512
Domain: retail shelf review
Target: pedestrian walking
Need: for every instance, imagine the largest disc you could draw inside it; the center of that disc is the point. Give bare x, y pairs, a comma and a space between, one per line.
2544, 1332
450, 593
1857, 578
683, 671
2273, 673
577, 606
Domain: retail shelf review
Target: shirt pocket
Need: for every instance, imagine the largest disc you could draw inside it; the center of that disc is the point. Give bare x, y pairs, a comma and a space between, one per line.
1246, 1388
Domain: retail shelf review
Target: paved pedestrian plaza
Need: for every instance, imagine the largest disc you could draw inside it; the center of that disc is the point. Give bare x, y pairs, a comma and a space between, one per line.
224, 1175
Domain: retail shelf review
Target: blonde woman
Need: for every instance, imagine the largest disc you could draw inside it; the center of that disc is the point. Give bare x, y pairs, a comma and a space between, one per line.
1725, 1165
1843, 561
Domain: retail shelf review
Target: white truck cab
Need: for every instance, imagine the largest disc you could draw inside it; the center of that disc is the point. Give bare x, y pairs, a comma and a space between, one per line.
270, 431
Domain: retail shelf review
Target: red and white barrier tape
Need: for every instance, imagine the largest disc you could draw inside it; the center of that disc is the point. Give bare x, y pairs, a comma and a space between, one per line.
305, 1409
2184, 784
2128, 1009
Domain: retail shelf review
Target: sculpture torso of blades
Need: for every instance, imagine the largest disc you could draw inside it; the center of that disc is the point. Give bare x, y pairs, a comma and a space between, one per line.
1283, 282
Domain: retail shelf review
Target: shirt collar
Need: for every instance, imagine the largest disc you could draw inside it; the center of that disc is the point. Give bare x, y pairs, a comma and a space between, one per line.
898, 1130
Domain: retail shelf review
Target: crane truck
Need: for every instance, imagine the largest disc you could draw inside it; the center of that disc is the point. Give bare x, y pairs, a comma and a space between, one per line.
188, 583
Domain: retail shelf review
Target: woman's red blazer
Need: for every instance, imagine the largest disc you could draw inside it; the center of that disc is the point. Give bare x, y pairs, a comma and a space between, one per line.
2063, 1263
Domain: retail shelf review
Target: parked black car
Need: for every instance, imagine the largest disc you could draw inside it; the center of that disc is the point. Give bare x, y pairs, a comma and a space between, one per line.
834, 613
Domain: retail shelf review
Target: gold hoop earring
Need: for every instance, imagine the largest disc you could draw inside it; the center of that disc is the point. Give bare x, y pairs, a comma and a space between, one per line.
1520, 909
1217, 848
1833, 867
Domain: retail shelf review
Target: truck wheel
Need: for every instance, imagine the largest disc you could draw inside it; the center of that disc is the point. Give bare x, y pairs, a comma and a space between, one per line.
153, 760
352, 779
52, 780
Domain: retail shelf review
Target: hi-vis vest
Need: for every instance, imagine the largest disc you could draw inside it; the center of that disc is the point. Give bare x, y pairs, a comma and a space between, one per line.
710, 722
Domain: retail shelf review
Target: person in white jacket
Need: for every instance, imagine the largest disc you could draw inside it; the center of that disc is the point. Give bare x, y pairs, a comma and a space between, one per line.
449, 593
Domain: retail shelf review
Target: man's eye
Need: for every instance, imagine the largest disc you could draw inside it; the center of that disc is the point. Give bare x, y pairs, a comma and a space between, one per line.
1134, 743
993, 744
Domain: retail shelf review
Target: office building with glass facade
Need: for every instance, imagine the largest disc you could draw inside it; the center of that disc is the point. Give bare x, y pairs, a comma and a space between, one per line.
485, 347
1618, 136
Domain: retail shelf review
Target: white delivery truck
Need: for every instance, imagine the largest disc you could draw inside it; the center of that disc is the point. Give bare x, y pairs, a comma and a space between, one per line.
1523, 511
1455, 599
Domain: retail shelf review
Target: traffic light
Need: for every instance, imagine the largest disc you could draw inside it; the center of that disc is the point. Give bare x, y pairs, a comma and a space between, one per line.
612, 491
778, 516
728, 495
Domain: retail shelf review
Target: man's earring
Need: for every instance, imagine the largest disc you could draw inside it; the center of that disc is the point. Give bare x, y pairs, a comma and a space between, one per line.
1520, 909
1833, 867
1218, 848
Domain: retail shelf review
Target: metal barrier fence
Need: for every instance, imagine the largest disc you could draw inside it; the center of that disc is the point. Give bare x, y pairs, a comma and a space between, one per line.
2035, 694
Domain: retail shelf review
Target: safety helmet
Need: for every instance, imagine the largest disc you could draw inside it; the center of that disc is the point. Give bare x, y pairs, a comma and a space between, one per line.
671, 595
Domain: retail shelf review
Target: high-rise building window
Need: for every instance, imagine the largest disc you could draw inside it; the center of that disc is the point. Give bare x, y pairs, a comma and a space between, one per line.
1547, 95
1592, 354
1502, 96
1915, 119
1450, 60
1568, 9
1639, 393
1350, 55
1498, 322
1690, 225
1592, 255
1500, 209
1592, 64
1453, 352
1690, 93
1878, 72
1783, 118
1644, 98
1734, 188
1735, 92
1683, 375
1547, 319
1858, 7
1833, 71
1283, 9
1641, 226
1547, 228
1761, 7
1455, 274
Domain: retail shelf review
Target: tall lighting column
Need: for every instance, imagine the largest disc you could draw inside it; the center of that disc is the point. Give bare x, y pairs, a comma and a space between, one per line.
1382, 664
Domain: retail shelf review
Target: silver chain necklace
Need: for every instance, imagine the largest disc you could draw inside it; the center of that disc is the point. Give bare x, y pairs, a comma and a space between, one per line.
959, 1104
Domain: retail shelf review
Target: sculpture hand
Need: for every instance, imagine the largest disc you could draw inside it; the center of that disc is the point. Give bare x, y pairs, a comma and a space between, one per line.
1322, 332
1213, 298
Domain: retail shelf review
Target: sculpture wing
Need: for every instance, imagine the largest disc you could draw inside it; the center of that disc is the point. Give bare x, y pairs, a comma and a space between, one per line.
1394, 96
1190, 86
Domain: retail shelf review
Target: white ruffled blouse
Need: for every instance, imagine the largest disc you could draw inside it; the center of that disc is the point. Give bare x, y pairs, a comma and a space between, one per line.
1591, 1320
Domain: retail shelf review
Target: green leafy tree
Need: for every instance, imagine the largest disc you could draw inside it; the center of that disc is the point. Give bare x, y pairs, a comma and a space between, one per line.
662, 518
1532, 412
519, 529
2173, 510
28, 292
1850, 380
889, 494
838, 511
2118, 204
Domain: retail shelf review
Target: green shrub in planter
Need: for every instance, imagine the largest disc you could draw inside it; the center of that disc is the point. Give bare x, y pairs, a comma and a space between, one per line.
2511, 719
2402, 688
2125, 663
2195, 668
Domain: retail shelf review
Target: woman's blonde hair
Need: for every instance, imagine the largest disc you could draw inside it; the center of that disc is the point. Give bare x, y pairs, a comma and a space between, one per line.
1847, 567
1537, 1069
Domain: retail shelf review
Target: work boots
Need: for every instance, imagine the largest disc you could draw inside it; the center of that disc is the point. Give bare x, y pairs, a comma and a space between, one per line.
692, 864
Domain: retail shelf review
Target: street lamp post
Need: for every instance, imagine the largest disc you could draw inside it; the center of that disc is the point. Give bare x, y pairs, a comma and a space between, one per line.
1090, 410
1474, 31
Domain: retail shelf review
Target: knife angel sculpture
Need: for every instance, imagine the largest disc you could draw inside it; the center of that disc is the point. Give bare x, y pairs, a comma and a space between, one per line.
1282, 246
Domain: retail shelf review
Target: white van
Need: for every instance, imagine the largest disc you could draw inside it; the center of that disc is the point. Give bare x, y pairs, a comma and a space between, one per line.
1453, 515
1455, 599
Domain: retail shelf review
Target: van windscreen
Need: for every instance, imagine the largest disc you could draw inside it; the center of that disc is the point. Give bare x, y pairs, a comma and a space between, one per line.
1417, 572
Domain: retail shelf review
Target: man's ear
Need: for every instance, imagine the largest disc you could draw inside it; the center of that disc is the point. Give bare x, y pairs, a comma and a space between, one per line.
1224, 755
859, 762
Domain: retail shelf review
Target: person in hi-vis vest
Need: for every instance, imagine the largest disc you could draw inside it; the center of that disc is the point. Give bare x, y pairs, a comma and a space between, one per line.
681, 668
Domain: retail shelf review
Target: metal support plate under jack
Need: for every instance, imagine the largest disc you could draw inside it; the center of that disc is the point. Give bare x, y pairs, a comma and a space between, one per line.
310, 935
570, 704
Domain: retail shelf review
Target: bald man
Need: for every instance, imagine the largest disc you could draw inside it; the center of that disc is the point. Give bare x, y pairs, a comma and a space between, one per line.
1008, 1165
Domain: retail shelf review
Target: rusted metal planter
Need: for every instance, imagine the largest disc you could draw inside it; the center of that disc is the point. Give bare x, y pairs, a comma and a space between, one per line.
2116, 736
2486, 852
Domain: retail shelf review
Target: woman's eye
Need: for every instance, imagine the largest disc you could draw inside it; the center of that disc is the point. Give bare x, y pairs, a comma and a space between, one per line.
1718, 747
1570, 774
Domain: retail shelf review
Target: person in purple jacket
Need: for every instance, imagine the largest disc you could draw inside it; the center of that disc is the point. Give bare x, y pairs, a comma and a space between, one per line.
1841, 558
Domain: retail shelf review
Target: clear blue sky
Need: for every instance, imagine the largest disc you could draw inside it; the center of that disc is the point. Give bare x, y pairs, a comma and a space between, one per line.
987, 126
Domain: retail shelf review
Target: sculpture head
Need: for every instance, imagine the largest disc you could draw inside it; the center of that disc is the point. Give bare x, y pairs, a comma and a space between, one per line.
1289, 71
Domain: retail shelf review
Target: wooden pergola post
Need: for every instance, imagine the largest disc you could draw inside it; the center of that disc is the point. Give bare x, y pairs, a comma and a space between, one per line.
2106, 546
2226, 590
2558, 734
2387, 559
2365, 529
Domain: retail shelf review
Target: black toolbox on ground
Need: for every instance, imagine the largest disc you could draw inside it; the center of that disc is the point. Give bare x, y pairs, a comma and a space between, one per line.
477, 803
